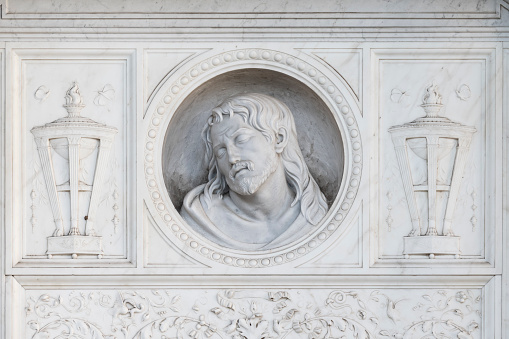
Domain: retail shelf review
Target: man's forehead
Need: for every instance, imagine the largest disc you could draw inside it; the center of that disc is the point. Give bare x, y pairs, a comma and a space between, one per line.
229, 126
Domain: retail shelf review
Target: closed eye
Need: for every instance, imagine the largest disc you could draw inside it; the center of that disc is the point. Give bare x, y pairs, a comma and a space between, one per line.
242, 139
220, 152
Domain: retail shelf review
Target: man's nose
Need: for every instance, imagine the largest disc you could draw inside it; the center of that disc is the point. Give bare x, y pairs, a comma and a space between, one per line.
233, 154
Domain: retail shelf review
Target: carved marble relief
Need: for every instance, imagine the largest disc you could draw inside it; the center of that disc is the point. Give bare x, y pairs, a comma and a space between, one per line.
452, 120
255, 313
434, 139
197, 270
260, 194
320, 137
108, 99
74, 138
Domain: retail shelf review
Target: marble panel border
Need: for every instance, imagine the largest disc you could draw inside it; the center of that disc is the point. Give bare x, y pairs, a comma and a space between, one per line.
454, 294
2, 196
16, 54
349, 9
505, 183
491, 55
201, 69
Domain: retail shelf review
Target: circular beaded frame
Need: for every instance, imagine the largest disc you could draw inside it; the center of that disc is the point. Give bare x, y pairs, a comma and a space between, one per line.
352, 144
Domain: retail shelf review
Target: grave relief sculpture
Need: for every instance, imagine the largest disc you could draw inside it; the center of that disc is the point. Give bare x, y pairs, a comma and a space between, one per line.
74, 138
432, 138
260, 194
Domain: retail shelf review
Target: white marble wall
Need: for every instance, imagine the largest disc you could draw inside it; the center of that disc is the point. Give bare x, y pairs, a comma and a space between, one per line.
369, 67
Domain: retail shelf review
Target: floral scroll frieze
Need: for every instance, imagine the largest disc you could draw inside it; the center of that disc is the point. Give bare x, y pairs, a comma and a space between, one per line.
255, 314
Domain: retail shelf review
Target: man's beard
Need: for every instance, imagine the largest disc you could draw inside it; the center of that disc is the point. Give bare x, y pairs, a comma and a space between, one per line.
249, 185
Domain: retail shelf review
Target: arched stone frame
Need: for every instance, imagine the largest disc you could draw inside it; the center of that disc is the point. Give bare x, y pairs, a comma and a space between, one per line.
172, 93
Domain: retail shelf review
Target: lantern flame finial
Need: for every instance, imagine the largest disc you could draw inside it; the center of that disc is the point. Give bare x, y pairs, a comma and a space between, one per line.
432, 101
74, 101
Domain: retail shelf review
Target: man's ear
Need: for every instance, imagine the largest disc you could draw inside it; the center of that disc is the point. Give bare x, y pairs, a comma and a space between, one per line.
281, 139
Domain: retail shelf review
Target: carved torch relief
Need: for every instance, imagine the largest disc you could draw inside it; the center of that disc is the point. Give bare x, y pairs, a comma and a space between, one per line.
443, 145
77, 140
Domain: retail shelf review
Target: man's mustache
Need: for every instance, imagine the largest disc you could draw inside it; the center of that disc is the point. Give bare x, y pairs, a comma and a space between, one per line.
244, 164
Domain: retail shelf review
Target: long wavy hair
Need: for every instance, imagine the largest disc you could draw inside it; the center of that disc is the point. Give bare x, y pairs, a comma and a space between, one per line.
267, 115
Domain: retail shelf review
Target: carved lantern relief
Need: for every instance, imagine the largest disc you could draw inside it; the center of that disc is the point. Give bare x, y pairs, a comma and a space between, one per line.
442, 147
82, 142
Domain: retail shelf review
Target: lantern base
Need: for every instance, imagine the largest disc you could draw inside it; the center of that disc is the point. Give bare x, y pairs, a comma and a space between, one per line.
431, 245
74, 245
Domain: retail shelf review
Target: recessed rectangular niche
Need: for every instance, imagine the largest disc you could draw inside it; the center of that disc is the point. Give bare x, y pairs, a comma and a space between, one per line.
465, 80
41, 80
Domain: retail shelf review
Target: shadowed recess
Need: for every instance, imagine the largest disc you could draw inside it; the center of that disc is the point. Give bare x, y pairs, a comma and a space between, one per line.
183, 157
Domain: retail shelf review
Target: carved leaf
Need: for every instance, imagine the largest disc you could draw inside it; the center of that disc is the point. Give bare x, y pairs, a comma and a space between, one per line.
231, 328
359, 332
80, 326
166, 324
279, 295
218, 312
458, 312
291, 313
316, 333
391, 311
34, 325
252, 329
340, 323
225, 302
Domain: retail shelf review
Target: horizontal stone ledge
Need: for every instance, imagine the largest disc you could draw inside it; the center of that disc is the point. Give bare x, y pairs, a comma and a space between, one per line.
87, 282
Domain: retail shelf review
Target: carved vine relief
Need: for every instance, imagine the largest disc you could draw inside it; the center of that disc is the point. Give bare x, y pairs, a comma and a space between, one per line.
255, 314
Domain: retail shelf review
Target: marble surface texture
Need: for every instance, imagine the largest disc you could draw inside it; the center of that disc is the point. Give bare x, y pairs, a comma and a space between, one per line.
399, 127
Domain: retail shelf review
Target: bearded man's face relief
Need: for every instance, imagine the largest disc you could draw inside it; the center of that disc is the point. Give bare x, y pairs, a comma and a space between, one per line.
244, 155
260, 194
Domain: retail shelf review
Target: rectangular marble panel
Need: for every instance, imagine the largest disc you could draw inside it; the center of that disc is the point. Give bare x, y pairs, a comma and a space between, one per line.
349, 279
466, 81
233, 311
40, 79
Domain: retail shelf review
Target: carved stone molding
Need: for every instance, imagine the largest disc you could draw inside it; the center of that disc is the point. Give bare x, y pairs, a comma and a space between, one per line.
173, 91
256, 313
